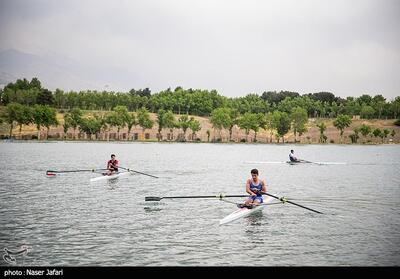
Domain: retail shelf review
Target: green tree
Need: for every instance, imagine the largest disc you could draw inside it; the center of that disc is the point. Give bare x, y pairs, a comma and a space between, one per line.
90, 126
395, 108
220, 119
322, 128
195, 126
367, 112
299, 119
144, 120
378, 103
365, 130
119, 118
234, 117
45, 97
384, 134
44, 116
24, 117
281, 122
10, 114
249, 121
130, 122
67, 124
342, 122
377, 132
35, 83
161, 122
183, 123
269, 125
354, 137
75, 118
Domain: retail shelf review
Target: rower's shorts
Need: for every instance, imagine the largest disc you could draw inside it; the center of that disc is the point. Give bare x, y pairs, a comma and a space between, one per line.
256, 198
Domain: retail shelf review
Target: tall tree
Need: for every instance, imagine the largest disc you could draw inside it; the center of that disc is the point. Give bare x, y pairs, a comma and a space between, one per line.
299, 119
144, 120
183, 123
130, 122
220, 119
45, 97
76, 116
342, 122
322, 127
195, 126
281, 122
10, 114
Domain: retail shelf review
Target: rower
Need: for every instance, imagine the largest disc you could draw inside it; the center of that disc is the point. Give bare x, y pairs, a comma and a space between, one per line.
112, 165
292, 157
255, 187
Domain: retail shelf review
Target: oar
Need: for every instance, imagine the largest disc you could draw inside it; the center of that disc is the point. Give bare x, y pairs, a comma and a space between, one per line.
53, 172
283, 199
139, 172
219, 196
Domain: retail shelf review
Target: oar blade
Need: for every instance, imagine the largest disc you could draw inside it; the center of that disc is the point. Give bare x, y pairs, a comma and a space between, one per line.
152, 198
302, 206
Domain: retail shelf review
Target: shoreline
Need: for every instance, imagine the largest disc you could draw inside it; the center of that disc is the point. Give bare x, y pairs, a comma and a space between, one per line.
5, 141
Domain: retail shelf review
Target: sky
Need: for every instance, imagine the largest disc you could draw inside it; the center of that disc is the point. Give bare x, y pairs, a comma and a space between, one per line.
236, 47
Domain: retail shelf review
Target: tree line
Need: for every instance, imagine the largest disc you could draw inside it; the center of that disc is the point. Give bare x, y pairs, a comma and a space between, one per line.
26, 102
201, 102
92, 124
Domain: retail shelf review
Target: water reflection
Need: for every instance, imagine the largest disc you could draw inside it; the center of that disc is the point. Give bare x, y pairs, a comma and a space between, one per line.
112, 184
255, 219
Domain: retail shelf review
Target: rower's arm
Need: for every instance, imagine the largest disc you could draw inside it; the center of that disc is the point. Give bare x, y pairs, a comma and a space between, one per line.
264, 186
248, 188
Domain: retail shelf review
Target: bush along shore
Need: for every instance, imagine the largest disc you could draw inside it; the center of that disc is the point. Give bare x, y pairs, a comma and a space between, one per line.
29, 111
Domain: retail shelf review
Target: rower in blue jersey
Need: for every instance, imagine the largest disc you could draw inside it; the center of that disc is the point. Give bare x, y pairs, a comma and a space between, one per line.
255, 187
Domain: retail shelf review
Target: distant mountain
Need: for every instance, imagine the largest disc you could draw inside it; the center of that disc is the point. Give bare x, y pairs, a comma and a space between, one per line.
6, 78
52, 70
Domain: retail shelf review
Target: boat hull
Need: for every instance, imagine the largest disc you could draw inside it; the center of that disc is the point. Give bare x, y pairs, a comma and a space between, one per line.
110, 177
243, 212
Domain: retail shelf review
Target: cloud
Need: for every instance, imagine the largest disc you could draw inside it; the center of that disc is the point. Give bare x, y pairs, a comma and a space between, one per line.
235, 47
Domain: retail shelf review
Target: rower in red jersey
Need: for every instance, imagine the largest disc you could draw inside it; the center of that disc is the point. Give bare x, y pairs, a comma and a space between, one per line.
112, 165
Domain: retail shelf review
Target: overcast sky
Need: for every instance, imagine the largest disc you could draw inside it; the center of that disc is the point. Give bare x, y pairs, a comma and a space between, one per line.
236, 47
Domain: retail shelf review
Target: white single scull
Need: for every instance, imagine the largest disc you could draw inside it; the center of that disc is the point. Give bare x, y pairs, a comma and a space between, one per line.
292, 163
109, 177
243, 212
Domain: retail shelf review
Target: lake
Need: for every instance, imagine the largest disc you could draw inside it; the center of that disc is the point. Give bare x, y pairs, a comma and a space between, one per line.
67, 220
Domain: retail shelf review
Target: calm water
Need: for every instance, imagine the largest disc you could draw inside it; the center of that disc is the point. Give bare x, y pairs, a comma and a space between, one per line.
69, 221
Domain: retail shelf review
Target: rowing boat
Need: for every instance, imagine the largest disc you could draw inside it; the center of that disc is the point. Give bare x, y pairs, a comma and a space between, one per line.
316, 163
109, 177
293, 163
298, 162
243, 212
